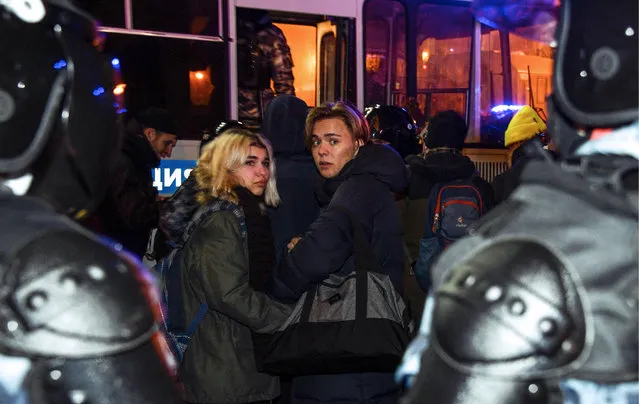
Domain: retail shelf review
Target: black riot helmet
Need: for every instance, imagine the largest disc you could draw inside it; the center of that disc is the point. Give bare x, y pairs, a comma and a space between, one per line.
595, 82
57, 120
394, 126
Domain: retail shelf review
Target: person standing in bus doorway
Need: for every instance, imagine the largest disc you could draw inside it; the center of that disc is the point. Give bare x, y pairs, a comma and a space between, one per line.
131, 208
263, 55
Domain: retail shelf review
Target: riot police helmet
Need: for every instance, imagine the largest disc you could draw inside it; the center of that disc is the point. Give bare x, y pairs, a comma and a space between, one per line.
394, 126
57, 116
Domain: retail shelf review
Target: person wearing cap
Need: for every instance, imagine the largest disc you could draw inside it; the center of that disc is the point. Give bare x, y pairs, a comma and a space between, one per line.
131, 208
441, 161
525, 126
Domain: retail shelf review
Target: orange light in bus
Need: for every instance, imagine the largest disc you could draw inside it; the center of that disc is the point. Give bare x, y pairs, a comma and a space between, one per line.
200, 87
373, 62
119, 89
425, 57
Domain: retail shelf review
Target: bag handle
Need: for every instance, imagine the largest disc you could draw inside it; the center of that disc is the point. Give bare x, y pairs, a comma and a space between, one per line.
363, 253
365, 261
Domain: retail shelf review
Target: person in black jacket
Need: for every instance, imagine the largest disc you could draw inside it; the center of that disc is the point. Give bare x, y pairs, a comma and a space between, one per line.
441, 161
131, 207
295, 171
360, 177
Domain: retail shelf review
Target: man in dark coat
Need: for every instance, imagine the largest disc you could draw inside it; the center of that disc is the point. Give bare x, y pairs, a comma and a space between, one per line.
295, 171
361, 178
130, 209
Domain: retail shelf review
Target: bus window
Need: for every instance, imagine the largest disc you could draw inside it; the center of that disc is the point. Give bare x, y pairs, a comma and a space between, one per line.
185, 77
108, 12
492, 83
197, 17
524, 54
328, 47
385, 48
528, 54
194, 17
443, 58
303, 43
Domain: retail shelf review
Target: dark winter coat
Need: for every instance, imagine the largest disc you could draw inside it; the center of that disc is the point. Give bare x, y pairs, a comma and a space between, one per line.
365, 187
130, 210
219, 364
295, 170
425, 173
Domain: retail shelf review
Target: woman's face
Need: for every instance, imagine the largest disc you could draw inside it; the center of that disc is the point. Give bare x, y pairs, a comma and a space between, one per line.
255, 172
332, 146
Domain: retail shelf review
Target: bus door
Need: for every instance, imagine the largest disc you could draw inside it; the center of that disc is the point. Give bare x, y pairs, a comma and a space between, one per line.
336, 64
321, 38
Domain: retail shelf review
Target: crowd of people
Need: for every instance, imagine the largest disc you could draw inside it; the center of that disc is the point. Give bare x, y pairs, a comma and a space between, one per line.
522, 291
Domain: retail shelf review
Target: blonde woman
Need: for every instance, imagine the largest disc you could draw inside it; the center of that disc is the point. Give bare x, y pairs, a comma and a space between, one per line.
224, 265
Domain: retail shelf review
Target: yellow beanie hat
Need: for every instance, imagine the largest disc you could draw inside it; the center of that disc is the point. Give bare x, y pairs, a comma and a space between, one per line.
525, 125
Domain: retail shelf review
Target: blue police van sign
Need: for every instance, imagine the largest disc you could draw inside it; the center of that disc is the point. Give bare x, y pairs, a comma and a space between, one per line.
171, 174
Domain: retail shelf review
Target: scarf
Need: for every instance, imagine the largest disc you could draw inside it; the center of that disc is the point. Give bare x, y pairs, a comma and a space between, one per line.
260, 242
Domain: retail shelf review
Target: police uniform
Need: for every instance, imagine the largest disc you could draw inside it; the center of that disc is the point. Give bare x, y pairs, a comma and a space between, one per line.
279, 68
77, 318
543, 292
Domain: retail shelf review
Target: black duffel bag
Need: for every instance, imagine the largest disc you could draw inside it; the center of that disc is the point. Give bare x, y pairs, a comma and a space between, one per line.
356, 323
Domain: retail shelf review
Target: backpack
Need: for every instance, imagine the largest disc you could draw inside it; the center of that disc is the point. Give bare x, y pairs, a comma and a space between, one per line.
177, 331
452, 208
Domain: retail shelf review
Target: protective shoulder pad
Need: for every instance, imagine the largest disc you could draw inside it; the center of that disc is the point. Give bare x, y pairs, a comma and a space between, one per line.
506, 320
65, 294
513, 309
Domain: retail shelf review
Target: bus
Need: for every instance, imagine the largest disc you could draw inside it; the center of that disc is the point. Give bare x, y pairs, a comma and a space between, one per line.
426, 56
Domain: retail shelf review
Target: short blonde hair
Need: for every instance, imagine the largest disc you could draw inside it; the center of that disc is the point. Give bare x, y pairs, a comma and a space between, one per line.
346, 112
221, 157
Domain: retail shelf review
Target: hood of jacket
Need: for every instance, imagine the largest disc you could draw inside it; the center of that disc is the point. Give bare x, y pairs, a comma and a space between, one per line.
440, 167
283, 125
376, 160
140, 152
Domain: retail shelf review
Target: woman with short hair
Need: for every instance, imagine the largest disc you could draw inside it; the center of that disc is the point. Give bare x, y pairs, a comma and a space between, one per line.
223, 265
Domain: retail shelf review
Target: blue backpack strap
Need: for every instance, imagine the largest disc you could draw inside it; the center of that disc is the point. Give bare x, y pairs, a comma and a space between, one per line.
198, 317
430, 208
200, 215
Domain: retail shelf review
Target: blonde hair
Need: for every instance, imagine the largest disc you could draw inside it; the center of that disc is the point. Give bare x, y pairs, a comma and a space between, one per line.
221, 157
346, 112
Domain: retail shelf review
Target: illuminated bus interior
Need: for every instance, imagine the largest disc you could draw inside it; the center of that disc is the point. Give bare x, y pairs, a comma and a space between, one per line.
426, 57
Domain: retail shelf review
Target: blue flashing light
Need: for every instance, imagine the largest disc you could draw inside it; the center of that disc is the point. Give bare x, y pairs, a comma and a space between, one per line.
60, 64
121, 111
115, 62
498, 109
98, 91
